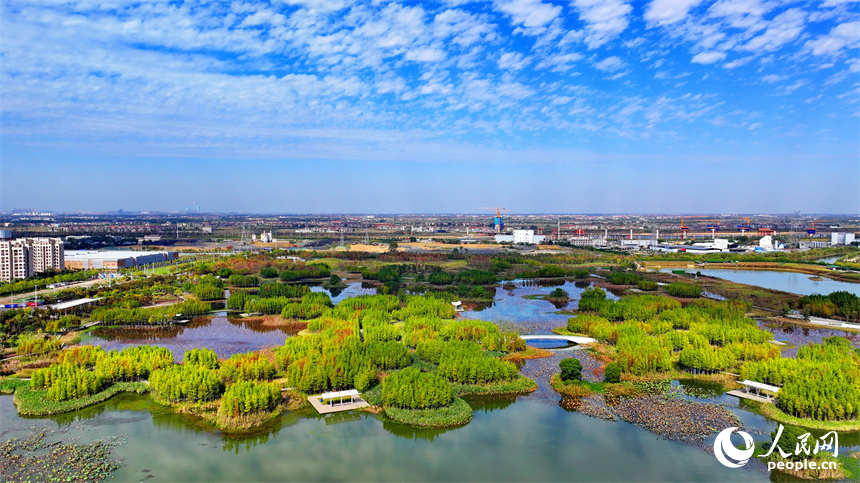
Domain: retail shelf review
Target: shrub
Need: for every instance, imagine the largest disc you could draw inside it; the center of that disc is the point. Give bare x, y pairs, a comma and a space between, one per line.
571, 369
684, 290
612, 373
623, 278
269, 272
647, 285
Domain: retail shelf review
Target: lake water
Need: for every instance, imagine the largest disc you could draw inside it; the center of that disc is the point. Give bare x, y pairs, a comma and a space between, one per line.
224, 336
529, 438
791, 282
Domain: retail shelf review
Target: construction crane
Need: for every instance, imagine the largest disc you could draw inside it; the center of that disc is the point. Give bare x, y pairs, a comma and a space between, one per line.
744, 228
714, 226
498, 223
684, 228
811, 231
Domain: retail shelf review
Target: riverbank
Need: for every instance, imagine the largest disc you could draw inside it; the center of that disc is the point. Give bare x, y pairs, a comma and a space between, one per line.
457, 414
772, 412
34, 402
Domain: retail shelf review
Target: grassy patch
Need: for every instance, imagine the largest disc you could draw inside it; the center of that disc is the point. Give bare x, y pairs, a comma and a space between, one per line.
246, 421
457, 414
529, 353
773, 412
576, 389
8, 385
520, 385
32, 402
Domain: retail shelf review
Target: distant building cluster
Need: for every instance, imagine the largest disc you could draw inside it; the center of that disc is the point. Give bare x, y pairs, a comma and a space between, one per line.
25, 257
114, 259
841, 238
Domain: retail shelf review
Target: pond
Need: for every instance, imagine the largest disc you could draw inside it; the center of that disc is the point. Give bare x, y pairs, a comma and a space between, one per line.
224, 336
517, 308
791, 282
352, 289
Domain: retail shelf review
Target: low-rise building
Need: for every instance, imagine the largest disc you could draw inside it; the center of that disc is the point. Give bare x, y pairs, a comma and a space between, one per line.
114, 259
837, 238
521, 237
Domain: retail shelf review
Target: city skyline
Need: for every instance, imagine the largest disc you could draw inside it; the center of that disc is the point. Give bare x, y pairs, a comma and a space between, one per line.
730, 106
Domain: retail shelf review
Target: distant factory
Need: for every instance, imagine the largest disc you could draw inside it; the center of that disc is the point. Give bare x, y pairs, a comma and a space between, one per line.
113, 259
521, 237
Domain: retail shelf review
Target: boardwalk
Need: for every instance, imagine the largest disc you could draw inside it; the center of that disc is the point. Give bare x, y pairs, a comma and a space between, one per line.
570, 338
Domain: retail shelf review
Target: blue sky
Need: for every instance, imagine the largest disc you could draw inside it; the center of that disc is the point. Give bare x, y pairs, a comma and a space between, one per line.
297, 106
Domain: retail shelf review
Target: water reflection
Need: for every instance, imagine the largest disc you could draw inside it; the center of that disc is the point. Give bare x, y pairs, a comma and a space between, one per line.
521, 308
220, 334
412, 432
352, 289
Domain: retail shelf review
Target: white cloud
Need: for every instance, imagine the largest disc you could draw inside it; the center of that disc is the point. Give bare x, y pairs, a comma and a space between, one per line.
604, 19
609, 64
771, 78
529, 13
425, 55
667, 12
843, 35
784, 28
708, 57
513, 61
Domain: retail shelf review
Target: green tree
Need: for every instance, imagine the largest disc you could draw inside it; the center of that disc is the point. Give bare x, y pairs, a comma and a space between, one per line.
571, 369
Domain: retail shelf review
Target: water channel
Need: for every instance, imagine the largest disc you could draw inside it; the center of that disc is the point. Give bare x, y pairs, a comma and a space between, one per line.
791, 282
529, 438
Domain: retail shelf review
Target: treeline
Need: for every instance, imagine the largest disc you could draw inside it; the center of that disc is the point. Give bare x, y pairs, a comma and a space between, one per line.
651, 333
83, 372
312, 305
300, 272
135, 316
838, 304
29, 284
249, 397
238, 280
36, 345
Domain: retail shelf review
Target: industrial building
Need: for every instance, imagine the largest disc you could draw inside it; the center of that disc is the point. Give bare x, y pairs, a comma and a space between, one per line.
26, 257
521, 237
841, 238
114, 259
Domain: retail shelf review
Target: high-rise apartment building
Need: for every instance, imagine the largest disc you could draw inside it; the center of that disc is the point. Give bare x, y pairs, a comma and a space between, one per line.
24, 257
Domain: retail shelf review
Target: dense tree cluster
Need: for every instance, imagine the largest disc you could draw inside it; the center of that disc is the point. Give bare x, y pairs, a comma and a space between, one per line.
282, 290
571, 369
40, 280
268, 306
413, 389
37, 345
141, 316
684, 290
312, 305
82, 371
66, 381
624, 278
238, 280
708, 336
476, 370
190, 383
300, 272
252, 366
477, 277
822, 382
591, 300
837, 304
268, 272
63, 323
248, 397
200, 357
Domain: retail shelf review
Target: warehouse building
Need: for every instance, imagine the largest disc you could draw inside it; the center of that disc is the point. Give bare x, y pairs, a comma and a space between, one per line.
114, 259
